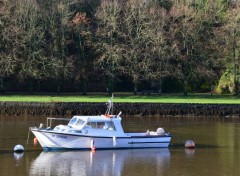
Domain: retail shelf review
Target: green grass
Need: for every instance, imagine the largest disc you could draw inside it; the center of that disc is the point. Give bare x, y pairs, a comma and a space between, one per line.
171, 98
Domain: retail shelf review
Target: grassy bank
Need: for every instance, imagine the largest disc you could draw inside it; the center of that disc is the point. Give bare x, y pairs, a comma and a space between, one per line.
171, 98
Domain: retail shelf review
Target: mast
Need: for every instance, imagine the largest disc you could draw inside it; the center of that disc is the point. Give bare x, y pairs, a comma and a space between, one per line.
110, 106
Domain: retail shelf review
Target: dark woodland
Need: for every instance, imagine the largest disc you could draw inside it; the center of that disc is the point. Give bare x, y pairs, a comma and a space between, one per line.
161, 46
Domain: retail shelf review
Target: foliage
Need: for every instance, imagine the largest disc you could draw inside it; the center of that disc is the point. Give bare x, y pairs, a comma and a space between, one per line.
226, 83
71, 42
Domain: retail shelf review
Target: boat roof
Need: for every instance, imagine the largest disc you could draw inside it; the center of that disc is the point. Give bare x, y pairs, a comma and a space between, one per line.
101, 118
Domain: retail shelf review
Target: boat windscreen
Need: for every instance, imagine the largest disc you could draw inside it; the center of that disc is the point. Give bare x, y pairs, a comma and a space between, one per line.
80, 122
72, 121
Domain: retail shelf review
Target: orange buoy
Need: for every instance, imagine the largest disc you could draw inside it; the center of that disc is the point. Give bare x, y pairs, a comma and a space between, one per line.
93, 149
35, 141
189, 144
92, 146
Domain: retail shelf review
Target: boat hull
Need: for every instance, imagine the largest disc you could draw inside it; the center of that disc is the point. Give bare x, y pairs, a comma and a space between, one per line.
50, 140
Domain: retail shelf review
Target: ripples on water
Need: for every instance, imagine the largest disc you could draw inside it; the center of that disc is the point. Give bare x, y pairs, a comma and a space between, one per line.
217, 152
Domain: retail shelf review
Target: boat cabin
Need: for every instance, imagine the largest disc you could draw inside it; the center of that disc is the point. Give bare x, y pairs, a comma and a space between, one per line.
93, 125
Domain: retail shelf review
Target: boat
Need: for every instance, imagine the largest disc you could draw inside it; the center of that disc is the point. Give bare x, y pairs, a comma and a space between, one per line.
84, 132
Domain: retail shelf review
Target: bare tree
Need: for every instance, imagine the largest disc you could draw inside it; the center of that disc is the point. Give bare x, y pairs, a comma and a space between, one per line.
57, 24
7, 36
137, 44
160, 66
197, 47
109, 46
82, 36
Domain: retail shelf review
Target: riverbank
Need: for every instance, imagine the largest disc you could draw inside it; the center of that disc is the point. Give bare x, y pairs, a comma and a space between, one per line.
142, 109
122, 97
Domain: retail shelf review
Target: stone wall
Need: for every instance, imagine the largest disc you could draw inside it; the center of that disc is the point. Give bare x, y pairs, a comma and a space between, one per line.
35, 108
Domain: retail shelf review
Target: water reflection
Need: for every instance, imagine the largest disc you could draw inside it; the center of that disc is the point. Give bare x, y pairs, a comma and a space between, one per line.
109, 162
17, 156
189, 152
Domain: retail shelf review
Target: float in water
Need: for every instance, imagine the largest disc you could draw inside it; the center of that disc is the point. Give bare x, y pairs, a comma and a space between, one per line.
97, 132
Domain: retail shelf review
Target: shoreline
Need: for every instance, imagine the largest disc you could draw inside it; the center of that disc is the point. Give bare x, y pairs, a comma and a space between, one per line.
142, 109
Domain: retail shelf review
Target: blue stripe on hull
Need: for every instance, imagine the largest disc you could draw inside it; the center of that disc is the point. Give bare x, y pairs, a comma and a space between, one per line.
147, 142
84, 149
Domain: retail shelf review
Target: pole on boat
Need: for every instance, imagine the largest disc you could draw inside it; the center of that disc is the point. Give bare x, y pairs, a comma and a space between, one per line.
110, 106
119, 113
114, 141
93, 148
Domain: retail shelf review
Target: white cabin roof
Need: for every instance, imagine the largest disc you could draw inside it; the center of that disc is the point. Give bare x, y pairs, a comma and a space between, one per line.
101, 118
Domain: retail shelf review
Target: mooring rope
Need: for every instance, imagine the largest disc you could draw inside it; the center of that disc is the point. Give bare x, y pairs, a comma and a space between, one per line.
29, 129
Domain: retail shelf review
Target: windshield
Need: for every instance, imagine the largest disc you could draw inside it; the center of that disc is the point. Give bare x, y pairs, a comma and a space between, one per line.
72, 121
80, 122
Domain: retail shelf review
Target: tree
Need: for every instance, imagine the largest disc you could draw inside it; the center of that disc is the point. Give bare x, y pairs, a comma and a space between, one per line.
82, 36
7, 36
198, 51
108, 45
30, 49
184, 44
233, 31
136, 42
160, 66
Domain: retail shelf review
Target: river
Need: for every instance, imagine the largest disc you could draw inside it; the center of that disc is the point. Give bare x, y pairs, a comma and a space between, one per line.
217, 151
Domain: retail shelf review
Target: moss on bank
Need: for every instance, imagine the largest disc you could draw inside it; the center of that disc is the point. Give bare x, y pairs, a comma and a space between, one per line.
143, 109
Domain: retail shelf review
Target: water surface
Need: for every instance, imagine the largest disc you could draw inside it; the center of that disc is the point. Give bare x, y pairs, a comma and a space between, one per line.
217, 152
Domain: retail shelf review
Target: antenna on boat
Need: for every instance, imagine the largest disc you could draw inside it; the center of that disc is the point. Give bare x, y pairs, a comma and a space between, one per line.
119, 113
110, 106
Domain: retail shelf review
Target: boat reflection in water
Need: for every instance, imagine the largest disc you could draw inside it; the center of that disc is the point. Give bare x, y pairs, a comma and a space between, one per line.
102, 162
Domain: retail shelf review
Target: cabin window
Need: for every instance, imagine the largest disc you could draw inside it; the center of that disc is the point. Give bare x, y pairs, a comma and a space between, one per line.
56, 128
100, 125
96, 125
109, 126
75, 131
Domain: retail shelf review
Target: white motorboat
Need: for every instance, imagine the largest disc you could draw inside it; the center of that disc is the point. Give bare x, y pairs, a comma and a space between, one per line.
97, 132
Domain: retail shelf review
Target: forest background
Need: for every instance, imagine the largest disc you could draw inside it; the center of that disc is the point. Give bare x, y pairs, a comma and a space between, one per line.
86, 46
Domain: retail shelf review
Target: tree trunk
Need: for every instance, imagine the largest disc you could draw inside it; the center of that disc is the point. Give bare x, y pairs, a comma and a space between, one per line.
135, 89
235, 66
160, 87
185, 87
84, 87
1, 86
30, 88
58, 89
110, 85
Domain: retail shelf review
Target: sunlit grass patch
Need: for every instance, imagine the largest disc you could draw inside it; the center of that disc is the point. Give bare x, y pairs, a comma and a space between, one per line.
126, 98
